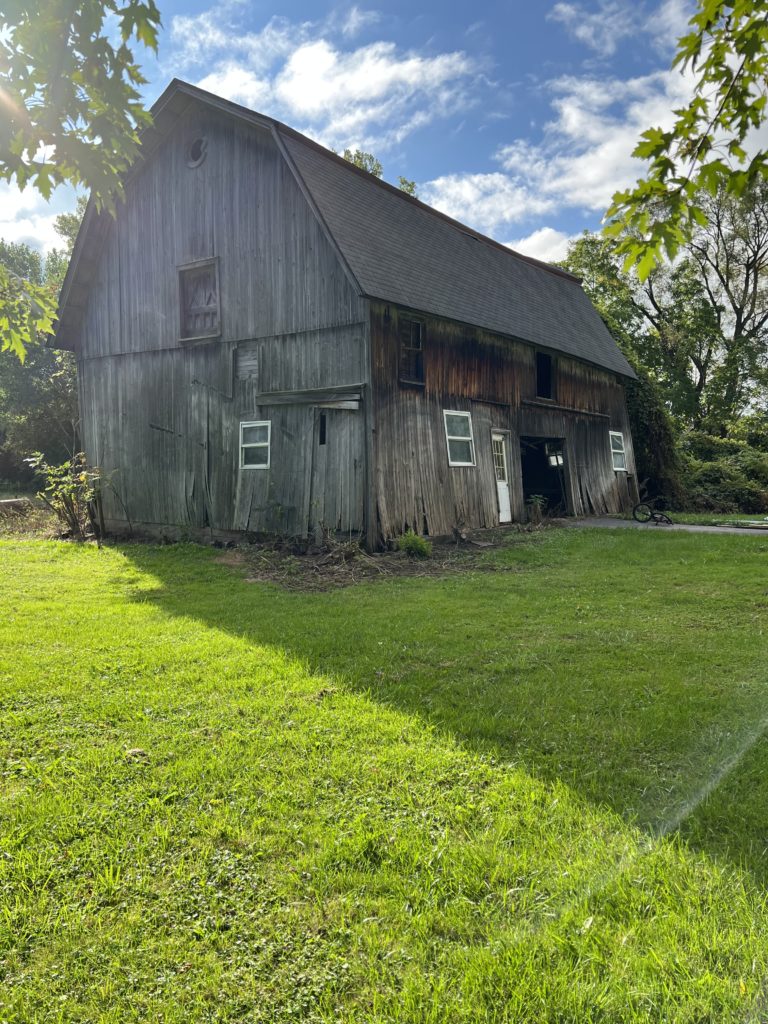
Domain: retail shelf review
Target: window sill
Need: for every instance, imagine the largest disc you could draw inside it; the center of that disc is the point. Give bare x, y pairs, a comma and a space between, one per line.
405, 383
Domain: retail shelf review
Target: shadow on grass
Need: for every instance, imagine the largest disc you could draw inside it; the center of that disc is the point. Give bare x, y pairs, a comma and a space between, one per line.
630, 667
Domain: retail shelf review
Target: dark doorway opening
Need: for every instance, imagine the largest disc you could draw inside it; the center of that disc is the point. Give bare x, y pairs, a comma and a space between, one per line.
544, 469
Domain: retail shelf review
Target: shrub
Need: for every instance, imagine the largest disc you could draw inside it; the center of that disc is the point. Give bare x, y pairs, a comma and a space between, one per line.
708, 448
753, 464
413, 545
73, 493
752, 428
723, 487
653, 437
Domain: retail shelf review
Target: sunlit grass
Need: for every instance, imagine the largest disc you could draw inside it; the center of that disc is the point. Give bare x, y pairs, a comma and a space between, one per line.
534, 794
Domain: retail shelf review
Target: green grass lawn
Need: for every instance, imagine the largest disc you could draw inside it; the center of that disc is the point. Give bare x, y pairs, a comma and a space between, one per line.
718, 519
535, 794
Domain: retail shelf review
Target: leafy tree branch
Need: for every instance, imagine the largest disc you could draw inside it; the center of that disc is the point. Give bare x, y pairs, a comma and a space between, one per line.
70, 113
706, 149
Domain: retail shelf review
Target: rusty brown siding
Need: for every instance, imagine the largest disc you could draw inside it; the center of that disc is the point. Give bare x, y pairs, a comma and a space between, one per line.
493, 378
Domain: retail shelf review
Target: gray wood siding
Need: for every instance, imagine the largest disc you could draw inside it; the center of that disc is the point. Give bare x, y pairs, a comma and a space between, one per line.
494, 379
162, 416
278, 272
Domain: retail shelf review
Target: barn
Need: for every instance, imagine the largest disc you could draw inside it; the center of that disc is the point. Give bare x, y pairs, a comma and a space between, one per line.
270, 340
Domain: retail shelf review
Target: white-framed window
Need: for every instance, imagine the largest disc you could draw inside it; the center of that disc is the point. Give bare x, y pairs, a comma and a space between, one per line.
254, 444
459, 438
618, 454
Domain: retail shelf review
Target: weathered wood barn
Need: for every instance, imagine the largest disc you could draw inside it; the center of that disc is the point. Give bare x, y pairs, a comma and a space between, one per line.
271, 340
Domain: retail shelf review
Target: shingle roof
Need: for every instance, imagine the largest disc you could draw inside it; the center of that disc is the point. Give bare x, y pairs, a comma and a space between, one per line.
396, 247
407, 253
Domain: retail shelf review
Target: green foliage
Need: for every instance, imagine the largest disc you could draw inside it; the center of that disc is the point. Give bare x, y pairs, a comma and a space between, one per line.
536, 794
27, 311
72, 491
700, 327
753, 429
365, 161
38, 400
68, 224
536, 505
615, 296
709, 448
368, 162
414, 545
723, 487
70, 113
723, 474
653, 438
704, 151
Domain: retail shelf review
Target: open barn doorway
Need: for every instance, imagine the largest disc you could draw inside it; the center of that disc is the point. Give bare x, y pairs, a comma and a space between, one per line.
544, 472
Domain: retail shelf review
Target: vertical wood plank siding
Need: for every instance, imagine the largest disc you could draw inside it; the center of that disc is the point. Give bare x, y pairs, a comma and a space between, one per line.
494, 379
162, 416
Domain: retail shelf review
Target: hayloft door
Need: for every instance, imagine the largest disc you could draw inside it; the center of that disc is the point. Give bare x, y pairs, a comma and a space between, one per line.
499, 443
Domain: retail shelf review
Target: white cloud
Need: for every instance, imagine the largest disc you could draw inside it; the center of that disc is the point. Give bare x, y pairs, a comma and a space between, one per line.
485, 201
305, 73
585, 154
234, 82
600, 30
27, 217
214, 36
36, 230
546, 244
668, 22
356, 20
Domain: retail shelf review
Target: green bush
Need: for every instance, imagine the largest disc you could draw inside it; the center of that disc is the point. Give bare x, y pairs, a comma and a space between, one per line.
708, 448
752, 428
753, 464
413, 545
723, 487
653, 437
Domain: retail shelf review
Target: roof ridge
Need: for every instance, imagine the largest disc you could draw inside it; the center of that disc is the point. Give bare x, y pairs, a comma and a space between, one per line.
401, 194
178, 84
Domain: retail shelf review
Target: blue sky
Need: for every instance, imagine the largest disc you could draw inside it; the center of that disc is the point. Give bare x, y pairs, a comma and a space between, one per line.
516, 117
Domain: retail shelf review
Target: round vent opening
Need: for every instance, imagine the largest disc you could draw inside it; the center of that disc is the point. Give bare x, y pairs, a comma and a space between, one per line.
197, 151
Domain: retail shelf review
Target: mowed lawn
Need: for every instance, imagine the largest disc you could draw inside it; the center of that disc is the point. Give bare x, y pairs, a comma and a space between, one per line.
535, 794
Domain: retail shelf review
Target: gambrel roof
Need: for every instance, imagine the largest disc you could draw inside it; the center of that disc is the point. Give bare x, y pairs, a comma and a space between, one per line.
397, 249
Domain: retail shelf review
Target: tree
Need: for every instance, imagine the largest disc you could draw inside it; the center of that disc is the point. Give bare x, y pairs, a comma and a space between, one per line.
365, 161
68, 224
38, 400
705, 151
368, 162
71, 114
614, 295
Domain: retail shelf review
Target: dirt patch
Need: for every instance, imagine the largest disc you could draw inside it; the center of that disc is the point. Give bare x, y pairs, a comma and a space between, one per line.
331, 565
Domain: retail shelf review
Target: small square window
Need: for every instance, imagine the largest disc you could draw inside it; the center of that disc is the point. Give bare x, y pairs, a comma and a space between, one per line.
459, 438
411, 351
543, 375
199, 301
618, 453
254, 444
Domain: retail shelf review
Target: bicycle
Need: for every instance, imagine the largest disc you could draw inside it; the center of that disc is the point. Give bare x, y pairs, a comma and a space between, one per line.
643, 512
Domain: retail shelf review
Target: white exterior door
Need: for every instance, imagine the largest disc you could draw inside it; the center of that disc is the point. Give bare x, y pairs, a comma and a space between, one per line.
499, 443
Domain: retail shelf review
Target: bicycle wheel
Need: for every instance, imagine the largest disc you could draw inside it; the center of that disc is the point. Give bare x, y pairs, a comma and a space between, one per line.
642, 513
